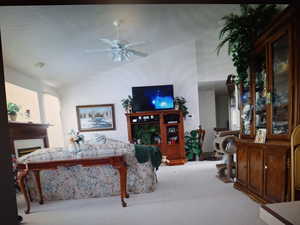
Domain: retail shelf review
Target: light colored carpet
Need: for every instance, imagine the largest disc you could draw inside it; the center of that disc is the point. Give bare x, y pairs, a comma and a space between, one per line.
185, 195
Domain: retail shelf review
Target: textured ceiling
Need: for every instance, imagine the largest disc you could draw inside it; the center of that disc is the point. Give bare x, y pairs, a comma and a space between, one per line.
59, 35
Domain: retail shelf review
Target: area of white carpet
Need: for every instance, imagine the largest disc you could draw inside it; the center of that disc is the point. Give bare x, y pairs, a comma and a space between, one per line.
185, 195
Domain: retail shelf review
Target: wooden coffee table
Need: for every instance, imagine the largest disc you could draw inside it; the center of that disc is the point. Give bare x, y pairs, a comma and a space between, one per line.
23, 170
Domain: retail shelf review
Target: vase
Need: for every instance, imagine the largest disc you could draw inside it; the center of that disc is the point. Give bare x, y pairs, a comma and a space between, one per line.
13, 117
176, 106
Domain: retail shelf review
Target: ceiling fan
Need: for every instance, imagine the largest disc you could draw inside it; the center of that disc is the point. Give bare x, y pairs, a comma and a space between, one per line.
121, 50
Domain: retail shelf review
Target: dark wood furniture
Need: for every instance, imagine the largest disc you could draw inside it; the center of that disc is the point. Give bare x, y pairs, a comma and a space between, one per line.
270, 100
23, 131
171, 132
23, 170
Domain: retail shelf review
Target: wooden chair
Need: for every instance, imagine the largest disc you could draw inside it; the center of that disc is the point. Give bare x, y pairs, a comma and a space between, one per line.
295, 160
201, 135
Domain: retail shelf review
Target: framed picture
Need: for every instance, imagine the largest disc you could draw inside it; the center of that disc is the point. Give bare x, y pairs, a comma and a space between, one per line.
96, 117
261, 136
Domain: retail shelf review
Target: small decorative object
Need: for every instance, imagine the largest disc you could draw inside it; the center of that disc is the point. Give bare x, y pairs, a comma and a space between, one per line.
12, 110
260, 136
127, 104
164, 160
180, 105
76, 139
27, 115
96, 117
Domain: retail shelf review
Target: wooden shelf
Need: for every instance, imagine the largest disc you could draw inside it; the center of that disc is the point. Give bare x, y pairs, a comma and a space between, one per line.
146, 123
171, 124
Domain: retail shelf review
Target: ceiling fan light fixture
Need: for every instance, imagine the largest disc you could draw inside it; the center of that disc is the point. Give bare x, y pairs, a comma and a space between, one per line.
120, 49
117, 23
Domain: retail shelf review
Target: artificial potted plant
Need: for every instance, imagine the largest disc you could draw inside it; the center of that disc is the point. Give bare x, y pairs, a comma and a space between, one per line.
241, 30
127, 104
146, 134
180, 105
12, 110
192, 145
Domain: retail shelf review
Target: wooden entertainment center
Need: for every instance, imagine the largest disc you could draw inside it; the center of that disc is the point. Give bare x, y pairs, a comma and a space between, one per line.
167, 132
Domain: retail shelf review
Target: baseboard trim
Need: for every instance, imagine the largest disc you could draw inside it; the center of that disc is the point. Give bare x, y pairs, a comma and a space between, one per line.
251, 195
176, 162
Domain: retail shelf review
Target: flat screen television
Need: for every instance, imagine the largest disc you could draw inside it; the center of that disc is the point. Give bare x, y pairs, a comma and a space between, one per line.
151, 98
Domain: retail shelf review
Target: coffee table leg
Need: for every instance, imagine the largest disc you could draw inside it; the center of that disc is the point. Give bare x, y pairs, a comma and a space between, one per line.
38, 183
122, 170
21, 181
125, 182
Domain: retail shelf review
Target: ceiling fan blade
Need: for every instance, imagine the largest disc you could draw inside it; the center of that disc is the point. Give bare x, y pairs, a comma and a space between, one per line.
135, 44
98, 50
107, 41
138, 53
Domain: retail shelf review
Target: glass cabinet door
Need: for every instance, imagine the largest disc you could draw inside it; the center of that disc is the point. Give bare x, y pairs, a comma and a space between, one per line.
260, 90
280, 86
246, 106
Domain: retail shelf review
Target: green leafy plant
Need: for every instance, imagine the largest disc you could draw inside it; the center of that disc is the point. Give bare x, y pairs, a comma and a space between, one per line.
12, 108
146, 133
180, 101
127, 103
192, 145
240, 32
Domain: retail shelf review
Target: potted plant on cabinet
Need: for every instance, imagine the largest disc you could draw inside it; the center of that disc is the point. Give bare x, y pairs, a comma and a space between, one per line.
12, 110
241, 30
180, 105
127, 104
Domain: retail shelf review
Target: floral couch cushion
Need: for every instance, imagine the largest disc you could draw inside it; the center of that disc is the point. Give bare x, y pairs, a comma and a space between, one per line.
88, 150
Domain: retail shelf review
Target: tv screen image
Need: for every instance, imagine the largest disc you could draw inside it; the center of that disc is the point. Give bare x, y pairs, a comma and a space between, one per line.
150, 98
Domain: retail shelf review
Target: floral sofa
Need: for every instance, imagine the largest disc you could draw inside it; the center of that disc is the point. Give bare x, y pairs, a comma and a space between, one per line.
79, 182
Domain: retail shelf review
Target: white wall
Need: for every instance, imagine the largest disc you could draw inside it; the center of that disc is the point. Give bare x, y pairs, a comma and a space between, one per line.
222, 115
18, 78
207, 111
176, 65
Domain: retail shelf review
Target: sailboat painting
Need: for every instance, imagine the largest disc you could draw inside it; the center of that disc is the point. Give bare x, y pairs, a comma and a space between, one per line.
95, 117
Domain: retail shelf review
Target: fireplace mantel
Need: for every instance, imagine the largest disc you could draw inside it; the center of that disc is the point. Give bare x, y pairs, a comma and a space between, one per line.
24, 131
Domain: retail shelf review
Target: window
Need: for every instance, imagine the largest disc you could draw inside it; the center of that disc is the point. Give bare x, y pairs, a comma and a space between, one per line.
52, 116
26, 100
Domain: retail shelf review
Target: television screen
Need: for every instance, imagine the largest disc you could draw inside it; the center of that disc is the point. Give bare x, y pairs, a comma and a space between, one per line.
151, 98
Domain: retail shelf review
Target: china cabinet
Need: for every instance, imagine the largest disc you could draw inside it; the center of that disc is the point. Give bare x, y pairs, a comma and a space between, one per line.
269, 99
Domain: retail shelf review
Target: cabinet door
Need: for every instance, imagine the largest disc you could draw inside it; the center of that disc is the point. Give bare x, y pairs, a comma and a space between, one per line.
280, 87
246, 107
255, 168
260, 77
275, 172
242, 164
